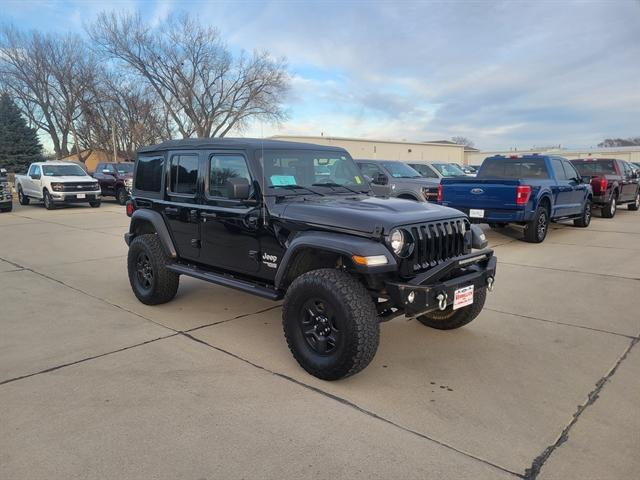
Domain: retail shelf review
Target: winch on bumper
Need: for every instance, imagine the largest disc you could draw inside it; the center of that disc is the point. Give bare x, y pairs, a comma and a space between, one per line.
435, 288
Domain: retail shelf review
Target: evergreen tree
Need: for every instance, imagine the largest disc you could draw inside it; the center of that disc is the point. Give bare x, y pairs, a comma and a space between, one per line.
19, 144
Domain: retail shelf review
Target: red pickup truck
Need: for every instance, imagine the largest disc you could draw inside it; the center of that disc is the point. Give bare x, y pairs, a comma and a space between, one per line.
116, 179
614, 182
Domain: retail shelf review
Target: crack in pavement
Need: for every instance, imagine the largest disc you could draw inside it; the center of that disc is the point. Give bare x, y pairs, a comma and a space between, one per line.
82, 360
532, 472
560, 323
350, 404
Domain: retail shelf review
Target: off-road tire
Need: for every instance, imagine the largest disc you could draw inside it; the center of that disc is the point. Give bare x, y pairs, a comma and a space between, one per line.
353, 313
48, 200
164, 283
22, 198
635, 205
450, 319
122, 196
536, 230
585, 219
610, 209
95, 204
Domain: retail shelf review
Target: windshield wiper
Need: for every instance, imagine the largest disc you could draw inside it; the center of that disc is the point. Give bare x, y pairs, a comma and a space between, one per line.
333, 185
298, 187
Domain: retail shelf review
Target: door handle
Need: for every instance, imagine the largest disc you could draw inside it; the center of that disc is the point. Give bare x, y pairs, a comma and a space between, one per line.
208, 215
171, 211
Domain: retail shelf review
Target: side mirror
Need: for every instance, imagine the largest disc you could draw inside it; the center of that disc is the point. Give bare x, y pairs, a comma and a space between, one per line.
367, 178
585, 179
381, 179
237, 188
35, 176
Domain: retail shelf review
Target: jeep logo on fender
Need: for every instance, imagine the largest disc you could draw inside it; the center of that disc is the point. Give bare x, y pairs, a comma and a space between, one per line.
477, 191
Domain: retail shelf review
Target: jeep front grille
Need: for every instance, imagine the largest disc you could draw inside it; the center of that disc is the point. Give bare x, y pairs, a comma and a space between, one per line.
434, 243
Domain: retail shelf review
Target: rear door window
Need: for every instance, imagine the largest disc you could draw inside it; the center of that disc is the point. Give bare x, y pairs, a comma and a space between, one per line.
558, 170
184, 174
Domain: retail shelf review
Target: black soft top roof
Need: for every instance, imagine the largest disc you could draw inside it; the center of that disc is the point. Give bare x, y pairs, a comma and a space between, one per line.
244, 143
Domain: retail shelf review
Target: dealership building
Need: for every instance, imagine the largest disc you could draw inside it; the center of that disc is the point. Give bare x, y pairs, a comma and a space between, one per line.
630, 154
371, 149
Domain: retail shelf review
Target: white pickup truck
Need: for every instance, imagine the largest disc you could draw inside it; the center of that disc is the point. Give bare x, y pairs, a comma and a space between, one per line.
57, 183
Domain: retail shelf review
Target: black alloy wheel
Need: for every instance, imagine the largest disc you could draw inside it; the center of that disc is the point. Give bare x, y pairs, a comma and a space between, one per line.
122, 196
144, 272
318, 326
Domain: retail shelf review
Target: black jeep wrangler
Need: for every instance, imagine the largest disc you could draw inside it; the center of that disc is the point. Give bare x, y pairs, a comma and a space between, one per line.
298, 221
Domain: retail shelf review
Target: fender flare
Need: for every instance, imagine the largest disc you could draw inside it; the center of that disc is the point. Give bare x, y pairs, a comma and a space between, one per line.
347, 245
156, 220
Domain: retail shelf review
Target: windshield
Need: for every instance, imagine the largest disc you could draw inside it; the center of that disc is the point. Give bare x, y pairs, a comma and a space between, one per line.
63, 171
513, 168
311, 168
448, 170
594, 168
124, 168
401, 170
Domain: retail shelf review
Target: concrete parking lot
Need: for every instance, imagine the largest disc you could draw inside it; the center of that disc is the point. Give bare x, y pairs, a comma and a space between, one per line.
95, 385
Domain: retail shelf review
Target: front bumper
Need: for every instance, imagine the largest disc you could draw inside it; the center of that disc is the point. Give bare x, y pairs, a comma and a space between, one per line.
76, 197
477, 269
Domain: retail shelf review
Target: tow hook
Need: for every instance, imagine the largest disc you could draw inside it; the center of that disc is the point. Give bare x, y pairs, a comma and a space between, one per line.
490, 281
442, 300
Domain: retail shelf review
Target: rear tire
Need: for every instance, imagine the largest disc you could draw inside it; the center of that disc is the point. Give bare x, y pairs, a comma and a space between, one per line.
609, 210
585, 219
330, 323
150, 280
536, 230
22, 198
48, 201
450, 319
634, 206
95, 204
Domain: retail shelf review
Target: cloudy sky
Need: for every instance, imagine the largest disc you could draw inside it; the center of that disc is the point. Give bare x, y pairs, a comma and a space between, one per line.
505, 74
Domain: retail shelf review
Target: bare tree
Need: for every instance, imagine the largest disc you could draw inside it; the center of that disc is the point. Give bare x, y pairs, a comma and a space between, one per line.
620, 142
462, 141
49, 77
127, 111
204, 90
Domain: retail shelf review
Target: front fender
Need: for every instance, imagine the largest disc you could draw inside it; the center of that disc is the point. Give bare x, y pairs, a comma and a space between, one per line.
347, 245
152, 217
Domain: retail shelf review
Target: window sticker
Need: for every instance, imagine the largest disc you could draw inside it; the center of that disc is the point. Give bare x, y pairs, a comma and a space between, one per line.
358, 180
277, 180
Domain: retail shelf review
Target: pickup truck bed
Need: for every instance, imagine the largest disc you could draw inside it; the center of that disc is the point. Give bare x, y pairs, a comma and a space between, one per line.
526, 190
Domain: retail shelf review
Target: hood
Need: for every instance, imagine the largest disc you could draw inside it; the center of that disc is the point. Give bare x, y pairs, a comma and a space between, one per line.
421, 181
72, 178
361, 213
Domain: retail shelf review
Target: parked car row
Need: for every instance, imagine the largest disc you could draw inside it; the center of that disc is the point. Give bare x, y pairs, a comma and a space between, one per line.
528, 190
6, 196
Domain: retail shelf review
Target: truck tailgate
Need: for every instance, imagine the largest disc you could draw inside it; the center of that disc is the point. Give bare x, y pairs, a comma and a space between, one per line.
482, 194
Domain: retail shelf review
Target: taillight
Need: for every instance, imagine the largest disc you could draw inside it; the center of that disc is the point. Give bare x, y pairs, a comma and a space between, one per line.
130, 208
523, 192
603, 185
439, 193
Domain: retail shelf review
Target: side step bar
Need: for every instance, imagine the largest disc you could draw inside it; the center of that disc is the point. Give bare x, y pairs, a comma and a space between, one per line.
227, 281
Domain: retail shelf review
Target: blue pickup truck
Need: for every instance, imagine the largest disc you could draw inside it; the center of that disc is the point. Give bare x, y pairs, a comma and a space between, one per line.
528, 190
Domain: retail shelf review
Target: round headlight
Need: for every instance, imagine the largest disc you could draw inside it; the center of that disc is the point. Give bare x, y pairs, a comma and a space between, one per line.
396, 240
